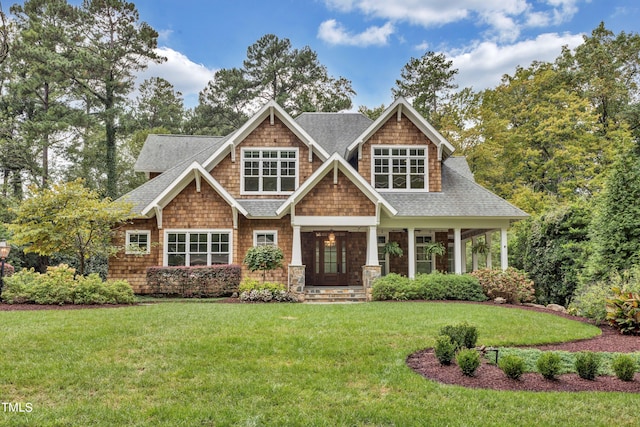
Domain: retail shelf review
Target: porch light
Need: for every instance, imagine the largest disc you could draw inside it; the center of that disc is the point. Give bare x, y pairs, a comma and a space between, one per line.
332, 237
4, 253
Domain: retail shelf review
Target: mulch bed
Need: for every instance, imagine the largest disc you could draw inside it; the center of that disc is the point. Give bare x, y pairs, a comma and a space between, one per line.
489, 376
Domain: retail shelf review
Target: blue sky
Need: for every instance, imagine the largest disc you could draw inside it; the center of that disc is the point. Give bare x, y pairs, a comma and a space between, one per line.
369, 41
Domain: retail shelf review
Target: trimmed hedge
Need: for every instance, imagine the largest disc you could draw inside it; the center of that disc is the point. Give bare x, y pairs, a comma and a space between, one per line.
194, 282
59, 286
433, 286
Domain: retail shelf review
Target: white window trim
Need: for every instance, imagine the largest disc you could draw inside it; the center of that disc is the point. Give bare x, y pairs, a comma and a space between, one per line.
384, 234
433, 256
165, 249
279, 149
256, 232
404, 190
130, 249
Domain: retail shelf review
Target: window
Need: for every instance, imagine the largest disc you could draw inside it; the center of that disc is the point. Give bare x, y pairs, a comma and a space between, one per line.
382, 256
192, 248
269, 171
138, 242
400, 168
265, 238
424, 261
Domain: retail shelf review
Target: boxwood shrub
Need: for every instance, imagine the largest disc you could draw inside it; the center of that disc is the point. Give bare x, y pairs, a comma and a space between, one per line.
59, 286
433, 286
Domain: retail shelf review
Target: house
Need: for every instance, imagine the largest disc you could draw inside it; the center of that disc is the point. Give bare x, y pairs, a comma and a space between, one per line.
330, 189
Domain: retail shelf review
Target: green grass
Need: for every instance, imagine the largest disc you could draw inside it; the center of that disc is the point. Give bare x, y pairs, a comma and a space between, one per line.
186, 364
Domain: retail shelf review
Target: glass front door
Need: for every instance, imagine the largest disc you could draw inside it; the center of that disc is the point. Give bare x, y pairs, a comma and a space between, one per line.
331, 259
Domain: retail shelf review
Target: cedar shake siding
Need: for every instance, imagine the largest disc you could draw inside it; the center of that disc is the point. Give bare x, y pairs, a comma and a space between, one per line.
401, 133
229, 173
282, 227
341, 199
133, 268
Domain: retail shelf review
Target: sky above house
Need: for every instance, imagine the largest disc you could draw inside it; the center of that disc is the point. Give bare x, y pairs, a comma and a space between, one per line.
369, 41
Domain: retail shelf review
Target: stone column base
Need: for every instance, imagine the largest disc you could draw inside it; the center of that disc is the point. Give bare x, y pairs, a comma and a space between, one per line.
296, 280
369, 274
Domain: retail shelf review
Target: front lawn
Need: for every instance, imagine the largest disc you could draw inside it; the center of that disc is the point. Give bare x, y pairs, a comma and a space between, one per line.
272, 364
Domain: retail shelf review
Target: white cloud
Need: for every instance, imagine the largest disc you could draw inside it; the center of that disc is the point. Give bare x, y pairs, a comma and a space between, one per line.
504, 18
333, 32
185, 75
483, 65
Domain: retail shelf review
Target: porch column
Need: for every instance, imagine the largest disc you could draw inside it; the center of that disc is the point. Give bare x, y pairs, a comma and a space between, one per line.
457, 250
463, 257
296, 247
412, 252
504, 259
474, 255
487, 240
372, 246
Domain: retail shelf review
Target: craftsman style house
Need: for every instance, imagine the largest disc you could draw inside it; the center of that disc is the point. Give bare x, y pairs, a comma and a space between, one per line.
330, 189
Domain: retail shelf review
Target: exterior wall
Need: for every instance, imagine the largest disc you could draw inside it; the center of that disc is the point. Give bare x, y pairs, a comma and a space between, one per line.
245, 241
133, 268
356, 257
399, 265
442, 262
228, 173
329, 199
401, 133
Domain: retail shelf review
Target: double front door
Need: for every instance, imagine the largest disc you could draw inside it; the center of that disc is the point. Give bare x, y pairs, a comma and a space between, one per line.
331, 259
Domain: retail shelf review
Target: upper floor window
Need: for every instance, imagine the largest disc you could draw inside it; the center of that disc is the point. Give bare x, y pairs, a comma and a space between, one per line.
273, 170
400, 168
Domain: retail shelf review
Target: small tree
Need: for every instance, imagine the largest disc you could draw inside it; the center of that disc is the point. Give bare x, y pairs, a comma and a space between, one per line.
68, 219
263, 258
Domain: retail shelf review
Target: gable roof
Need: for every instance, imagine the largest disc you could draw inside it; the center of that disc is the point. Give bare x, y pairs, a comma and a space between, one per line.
401, 106
159, 152
269, 110
336, 161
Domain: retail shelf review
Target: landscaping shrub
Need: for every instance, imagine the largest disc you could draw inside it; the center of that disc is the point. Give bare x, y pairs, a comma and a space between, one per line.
433, 286
444, 349
253, 291
624, 366
194, 282
468, 360
512, 365
462, 335
623, 311
8, 269
390, 287
58, 286
549, 365
587, 365
591, 298
510, 284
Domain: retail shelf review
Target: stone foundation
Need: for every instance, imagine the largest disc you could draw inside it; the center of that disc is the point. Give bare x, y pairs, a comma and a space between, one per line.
296, 280
369, 274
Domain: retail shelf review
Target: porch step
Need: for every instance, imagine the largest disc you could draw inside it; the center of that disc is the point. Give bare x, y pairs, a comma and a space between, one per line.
330, 294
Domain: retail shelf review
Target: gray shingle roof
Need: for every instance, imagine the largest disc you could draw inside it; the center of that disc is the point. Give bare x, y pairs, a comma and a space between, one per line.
161, 152
261, 208
142, 196
460, 197
334, 131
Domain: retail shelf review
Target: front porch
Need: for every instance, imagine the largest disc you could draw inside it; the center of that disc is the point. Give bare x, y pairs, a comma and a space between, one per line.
345, 260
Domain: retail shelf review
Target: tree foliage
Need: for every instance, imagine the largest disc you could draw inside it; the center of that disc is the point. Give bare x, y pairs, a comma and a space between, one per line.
67, 219
615, 230
264, 258
272, 70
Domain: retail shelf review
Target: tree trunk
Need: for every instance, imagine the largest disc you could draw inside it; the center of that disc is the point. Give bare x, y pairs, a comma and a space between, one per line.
112, 184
